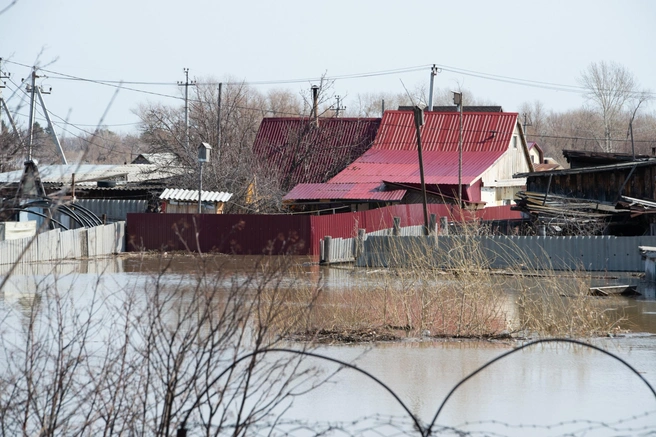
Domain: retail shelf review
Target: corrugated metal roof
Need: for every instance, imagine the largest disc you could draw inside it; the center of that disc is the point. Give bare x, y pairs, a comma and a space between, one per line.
371, 191
192, 195
393, 157
302, 153
165, 158
90, 173
482, 131
402, 166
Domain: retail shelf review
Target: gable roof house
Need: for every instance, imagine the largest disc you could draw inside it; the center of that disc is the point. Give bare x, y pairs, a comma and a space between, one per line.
303, 150
493, 150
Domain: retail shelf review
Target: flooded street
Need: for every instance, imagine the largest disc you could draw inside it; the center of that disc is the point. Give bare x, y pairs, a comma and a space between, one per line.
548, 389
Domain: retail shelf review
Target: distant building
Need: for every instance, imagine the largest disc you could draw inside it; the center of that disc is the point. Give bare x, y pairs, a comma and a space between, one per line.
303, 150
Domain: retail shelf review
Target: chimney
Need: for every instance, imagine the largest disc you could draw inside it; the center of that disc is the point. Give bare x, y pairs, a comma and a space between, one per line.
315, 104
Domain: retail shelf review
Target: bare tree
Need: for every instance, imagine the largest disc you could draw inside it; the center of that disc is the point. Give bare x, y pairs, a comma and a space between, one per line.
611, 89
153, 358
232, 167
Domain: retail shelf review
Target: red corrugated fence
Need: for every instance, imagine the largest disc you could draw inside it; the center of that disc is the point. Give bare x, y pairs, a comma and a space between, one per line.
279, 234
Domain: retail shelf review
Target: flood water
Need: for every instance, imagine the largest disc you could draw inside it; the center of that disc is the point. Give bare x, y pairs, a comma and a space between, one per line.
548, 389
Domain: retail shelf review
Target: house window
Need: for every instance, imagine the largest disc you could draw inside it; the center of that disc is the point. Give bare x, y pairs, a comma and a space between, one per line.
514, 141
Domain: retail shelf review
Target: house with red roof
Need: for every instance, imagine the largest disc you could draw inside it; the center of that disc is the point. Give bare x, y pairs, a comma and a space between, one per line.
493, 150
303, 150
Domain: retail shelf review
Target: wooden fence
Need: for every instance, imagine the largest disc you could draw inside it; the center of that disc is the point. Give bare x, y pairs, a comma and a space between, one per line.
57, 245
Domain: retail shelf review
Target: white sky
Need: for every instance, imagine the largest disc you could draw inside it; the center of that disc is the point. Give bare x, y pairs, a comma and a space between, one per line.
153, 40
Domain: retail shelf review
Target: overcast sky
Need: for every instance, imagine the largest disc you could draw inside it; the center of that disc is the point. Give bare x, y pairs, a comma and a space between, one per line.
487, 47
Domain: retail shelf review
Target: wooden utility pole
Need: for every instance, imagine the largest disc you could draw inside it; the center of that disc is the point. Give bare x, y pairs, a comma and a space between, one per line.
419, 121
457, 99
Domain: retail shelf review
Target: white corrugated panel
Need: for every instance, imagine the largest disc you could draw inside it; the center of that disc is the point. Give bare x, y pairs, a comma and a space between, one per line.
181, 195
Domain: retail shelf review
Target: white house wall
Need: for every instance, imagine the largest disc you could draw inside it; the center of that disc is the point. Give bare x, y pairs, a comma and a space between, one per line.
499, 186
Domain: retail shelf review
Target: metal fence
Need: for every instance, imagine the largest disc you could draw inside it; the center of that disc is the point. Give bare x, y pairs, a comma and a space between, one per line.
57, 245
341, 250
596, 253
114, 210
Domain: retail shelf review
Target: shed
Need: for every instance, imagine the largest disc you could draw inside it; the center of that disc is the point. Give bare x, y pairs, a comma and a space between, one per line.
186, 201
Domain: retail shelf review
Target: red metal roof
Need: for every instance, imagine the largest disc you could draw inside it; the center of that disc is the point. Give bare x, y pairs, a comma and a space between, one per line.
354, 191
299, 152
402, 166
393, 157
482, 131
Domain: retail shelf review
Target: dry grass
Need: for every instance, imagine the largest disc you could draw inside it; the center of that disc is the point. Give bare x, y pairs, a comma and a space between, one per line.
451, 292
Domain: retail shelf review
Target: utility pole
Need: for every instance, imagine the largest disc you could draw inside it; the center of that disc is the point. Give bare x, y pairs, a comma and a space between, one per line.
419, 121
218, 122
526, 124
31, 88
635, 111
35, 91
434, 71
338, 107
186, 84
457, 99
3, 104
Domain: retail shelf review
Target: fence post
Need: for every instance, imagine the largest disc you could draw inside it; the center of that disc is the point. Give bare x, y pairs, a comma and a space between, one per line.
396, 230
444, 226
327, 243
358, 247
432, 224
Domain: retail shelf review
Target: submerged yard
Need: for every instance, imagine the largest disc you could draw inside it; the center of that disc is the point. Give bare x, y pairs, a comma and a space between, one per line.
81, 341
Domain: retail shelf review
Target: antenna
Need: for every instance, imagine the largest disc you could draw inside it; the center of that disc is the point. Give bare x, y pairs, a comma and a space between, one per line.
408, 93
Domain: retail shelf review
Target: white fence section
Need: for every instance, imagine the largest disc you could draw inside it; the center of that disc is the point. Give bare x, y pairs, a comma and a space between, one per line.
57, 245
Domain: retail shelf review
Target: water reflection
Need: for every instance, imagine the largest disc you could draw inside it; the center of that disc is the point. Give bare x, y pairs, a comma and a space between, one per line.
547, 386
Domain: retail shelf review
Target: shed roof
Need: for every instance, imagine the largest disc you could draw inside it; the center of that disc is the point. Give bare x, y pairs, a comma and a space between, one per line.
164, 158
192, 195
350, 191
305, 153
88, 174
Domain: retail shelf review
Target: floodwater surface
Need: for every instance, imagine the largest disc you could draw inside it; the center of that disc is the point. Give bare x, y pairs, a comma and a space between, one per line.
547, 389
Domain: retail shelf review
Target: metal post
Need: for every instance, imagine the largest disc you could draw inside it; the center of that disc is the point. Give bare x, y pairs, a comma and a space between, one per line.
430, 95
200, 186
419, 120
632, 143
186, 109
218, 123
